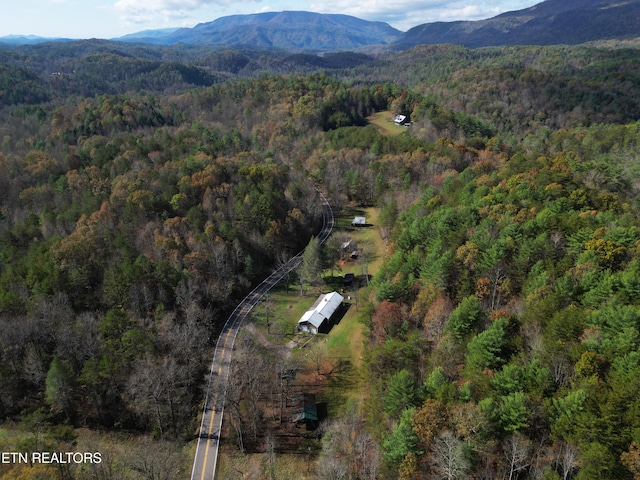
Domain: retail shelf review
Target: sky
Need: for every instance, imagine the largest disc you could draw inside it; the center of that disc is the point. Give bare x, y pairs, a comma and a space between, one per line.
115, 18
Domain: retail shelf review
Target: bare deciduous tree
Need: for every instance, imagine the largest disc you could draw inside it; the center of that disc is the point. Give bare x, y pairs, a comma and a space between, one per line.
268, 307
317, 355
157, 460
331, 467
517, 452
232, 402
566, 458
449, 458
270, 447
160, 394
351, 451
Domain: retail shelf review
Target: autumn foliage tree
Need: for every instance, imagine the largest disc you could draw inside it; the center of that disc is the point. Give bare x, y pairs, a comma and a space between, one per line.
387, 322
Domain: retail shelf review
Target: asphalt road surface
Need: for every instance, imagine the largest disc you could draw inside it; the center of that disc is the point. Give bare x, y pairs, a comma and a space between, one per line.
206, 457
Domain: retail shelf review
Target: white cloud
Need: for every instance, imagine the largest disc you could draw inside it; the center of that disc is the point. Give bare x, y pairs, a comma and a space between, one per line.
166, 11
266, 9
404, 14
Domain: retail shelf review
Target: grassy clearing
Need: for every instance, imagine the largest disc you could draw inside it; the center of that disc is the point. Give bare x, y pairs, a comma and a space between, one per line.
384, 121
346, 339
370, 237
276, 317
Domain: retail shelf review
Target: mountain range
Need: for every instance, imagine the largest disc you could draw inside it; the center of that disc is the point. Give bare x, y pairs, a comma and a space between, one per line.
283, 30
547, 23
551, 22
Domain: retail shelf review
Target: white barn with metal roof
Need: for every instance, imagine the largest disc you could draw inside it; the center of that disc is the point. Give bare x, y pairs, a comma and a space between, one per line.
320, 313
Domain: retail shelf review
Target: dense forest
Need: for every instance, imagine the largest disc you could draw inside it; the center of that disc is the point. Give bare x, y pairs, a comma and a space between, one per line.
144, 190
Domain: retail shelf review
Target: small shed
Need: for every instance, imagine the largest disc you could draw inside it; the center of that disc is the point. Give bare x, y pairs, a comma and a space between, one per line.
346, 245
359, 222
348, 279
347, 248
306, 410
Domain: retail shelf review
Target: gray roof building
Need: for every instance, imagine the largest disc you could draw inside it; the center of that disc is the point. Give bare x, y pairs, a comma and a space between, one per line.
320, 313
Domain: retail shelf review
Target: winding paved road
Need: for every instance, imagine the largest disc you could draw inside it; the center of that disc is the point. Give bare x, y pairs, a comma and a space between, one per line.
206, 457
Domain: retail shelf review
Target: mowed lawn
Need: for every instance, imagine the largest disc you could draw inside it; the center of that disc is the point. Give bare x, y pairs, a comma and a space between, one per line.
282, 309
346, 340
384, 121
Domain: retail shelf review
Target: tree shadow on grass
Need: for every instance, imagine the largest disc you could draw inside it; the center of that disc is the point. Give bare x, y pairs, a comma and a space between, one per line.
341, 380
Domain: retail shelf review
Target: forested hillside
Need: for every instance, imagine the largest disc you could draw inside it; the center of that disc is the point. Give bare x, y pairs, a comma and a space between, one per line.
503, 340
140, 198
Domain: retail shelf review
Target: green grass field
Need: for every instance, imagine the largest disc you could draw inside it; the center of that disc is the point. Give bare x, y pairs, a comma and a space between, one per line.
384, 121
282, 308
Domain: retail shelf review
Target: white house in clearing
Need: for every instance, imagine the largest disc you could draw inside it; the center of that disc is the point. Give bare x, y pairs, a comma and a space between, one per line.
400, 119
318, 316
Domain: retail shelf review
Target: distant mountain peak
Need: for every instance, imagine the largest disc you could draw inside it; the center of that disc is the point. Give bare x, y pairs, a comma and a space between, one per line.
286, 30
550, 22
28, 39
157, 33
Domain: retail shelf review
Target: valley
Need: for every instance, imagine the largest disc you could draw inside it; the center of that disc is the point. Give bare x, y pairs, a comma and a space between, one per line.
491, 324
